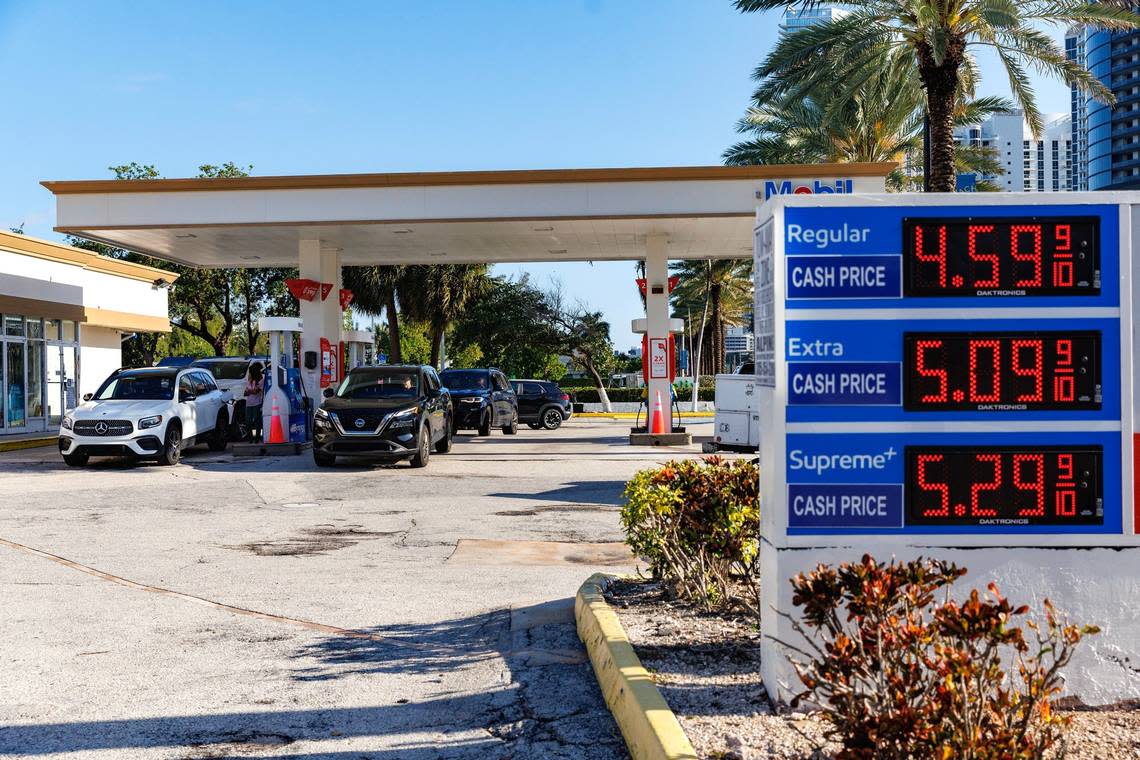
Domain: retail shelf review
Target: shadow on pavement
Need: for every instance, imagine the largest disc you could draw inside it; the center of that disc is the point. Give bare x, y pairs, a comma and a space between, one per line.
578, 492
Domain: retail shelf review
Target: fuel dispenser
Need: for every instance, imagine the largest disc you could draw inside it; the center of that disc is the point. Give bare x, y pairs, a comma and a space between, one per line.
356, 347
286, 409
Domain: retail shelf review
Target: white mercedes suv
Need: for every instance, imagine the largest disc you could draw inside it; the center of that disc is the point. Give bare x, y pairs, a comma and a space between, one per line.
151, 413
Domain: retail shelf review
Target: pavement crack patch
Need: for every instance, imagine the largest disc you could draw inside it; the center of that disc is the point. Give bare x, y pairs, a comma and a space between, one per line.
317, 539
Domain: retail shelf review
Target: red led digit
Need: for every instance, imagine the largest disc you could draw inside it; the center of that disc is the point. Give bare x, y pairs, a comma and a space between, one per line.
1064, 235
1034, 371
1035, 256
992, 485
1037, 485
938, 258
1064, 379
1065, 500
940, 488
938, 373
992, 258
995, 391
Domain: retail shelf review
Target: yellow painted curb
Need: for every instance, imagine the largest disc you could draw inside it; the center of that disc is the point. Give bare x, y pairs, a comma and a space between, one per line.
27, 443
649, 727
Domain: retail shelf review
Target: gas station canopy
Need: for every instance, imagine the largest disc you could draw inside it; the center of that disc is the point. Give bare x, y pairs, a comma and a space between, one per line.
442, 217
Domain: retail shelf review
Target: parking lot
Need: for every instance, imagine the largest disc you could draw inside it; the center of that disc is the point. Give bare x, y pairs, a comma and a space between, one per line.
262, 607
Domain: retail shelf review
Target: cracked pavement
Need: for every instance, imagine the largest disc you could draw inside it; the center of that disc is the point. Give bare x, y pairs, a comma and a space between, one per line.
262, 608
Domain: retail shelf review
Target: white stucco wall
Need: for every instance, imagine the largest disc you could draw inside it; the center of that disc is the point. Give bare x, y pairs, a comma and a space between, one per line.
100, 354
1091, 586
41, 278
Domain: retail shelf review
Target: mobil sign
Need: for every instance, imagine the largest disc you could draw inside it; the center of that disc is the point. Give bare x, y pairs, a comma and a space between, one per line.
808, 187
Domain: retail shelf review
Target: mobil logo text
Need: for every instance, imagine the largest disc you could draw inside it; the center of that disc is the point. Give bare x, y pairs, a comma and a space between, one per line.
816, 187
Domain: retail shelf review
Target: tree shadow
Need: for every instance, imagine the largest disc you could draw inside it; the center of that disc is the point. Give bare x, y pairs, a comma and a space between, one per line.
579, 492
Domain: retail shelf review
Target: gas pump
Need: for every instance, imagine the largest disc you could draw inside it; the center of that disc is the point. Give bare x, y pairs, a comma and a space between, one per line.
356, 346
286, 407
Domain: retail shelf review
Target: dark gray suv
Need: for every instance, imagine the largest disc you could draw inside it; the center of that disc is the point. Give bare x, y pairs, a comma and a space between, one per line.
483, 400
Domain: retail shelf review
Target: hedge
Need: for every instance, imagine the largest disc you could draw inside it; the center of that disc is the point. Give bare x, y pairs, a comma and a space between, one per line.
590, 395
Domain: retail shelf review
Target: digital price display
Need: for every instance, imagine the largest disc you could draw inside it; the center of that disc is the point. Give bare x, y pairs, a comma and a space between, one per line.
1004, 485
978, 256
1002, 371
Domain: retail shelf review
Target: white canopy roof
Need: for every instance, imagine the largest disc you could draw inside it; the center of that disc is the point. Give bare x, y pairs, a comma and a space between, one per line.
450, 217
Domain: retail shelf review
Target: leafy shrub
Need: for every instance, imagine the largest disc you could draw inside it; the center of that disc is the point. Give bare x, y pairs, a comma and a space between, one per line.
698, 526
590, 395
898, 675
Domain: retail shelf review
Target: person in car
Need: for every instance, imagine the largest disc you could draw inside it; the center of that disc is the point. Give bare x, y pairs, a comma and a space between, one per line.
254, 398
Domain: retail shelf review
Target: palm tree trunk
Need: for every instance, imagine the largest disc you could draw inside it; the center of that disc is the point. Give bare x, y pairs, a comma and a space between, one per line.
718, 329
436, 345
940, 79
599, 384
394, 356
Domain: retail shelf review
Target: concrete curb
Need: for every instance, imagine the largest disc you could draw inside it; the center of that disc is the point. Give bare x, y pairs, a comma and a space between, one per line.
649, 727
26, 443
633, 415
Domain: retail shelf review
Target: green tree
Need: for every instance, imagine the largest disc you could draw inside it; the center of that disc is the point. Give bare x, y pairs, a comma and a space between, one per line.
374, 291
585, 336
510, 322
934, 39
437, 295
881, 120
714, 295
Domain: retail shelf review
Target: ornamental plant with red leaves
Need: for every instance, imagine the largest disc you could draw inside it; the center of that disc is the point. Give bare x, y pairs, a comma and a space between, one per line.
898, 674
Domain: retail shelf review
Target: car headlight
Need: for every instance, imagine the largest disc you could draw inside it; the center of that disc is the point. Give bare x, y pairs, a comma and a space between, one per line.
321, 415
471, 400
67, 422
404, 420
149, 422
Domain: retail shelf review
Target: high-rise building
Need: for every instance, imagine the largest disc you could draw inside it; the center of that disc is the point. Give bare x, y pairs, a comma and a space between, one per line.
1111, 139
800, 17
1079, 113
1042, 164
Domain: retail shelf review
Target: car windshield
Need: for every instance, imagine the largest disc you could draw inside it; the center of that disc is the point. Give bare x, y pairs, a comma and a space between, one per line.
151, 386
234, 370
465, 380
382, 384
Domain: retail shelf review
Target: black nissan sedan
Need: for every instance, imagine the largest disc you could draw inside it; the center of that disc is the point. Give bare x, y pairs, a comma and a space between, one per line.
388, 413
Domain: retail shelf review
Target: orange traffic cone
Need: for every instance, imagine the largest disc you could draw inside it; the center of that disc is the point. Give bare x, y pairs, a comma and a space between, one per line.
658, 425
276, 429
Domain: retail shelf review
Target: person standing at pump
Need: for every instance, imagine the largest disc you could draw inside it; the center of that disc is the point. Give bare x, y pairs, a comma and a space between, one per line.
254, 398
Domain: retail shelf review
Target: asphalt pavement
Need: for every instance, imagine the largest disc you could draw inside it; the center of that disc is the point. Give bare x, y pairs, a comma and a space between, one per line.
264, 608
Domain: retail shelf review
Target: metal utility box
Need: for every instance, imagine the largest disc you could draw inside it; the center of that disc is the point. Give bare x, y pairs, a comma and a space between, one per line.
736, 425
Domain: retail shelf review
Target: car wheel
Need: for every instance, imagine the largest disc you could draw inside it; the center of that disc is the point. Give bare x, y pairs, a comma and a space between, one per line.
444, 444
172, 448
219, 437
423, 449
75, 460
552, 419
512, 428
324, 460
485, 425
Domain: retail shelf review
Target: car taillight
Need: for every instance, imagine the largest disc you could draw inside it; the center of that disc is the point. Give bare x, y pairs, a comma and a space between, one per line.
565, 397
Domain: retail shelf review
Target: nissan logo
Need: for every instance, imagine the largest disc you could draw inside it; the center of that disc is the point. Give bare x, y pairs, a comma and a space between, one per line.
359, 422
101, 428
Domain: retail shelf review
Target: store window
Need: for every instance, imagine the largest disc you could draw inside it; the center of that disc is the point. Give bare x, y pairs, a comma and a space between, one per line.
38, 372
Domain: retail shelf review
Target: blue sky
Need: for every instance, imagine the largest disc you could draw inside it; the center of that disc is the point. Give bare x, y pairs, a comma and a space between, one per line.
310, 88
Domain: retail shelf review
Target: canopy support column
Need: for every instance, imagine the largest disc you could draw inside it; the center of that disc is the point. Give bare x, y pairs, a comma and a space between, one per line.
657, 323
321, 317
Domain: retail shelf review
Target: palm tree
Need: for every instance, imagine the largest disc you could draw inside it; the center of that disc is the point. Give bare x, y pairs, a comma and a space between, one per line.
934, 39
721, 289
879, 121
438, 294
374, 291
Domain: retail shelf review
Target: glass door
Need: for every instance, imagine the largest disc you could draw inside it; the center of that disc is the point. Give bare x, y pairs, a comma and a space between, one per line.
55, 379
16, 385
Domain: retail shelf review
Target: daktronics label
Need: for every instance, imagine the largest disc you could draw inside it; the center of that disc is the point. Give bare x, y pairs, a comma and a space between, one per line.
785, 187
1002, 371
978, 256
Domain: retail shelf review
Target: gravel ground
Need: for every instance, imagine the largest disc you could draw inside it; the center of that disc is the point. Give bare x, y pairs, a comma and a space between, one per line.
708, 669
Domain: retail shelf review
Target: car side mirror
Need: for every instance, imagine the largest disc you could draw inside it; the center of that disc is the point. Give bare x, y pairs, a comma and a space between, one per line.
184, 396
434, 393
88, 396
328, 392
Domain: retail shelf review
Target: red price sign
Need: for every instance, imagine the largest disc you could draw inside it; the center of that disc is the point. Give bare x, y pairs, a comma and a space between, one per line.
1002, 371
1001, 256
996, 485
